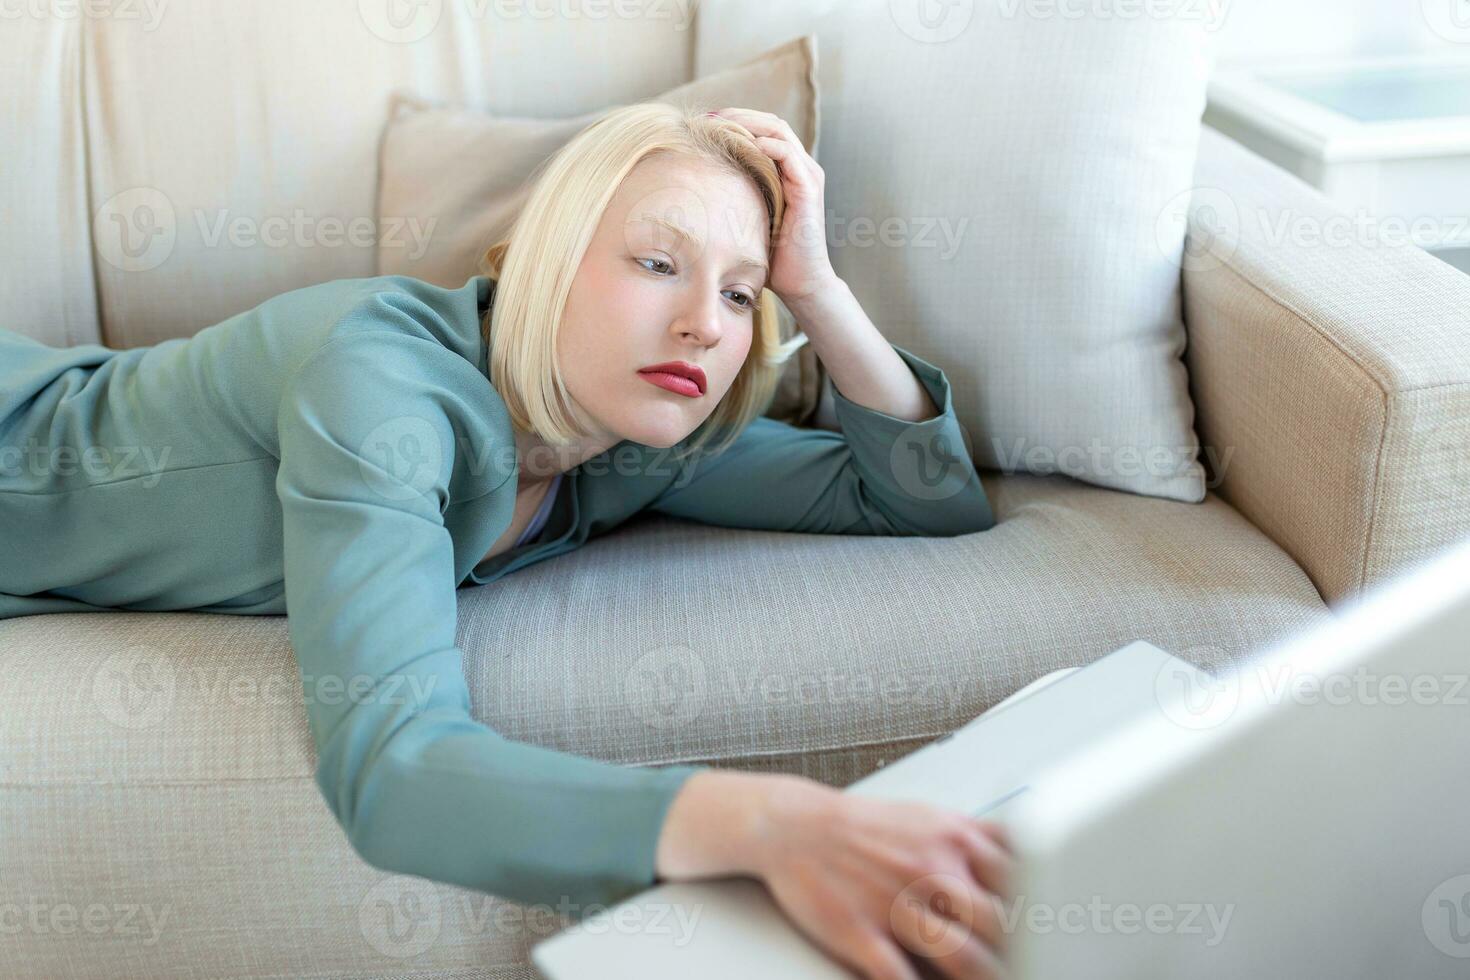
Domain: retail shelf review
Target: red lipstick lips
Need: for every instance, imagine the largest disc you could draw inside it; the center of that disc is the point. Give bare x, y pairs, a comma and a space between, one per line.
680, 377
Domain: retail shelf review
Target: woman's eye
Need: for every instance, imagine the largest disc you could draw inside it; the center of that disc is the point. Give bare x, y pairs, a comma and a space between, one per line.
659, 261
746, 302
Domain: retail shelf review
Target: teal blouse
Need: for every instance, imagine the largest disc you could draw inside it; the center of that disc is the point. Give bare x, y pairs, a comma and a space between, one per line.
337, 454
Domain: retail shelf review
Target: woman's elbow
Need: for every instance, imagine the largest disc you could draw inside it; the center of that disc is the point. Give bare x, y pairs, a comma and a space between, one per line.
359, 789
967, 512
376, 826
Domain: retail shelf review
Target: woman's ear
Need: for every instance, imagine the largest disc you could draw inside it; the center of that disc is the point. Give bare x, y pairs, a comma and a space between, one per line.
494, 258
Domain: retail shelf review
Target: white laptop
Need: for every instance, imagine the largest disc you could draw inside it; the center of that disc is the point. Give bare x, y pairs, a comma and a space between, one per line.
1307, 816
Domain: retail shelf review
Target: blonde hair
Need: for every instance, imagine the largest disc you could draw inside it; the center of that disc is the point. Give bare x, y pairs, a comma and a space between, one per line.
534, 265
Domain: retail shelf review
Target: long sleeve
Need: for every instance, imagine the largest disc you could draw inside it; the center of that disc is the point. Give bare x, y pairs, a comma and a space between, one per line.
880, 475
419, 786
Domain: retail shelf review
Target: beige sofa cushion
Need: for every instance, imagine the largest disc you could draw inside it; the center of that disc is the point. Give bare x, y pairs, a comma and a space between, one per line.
1005, 190
462, 175
186, 732
239, 141
46, 286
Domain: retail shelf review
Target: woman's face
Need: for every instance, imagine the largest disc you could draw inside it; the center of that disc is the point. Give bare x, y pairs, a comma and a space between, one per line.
643, 296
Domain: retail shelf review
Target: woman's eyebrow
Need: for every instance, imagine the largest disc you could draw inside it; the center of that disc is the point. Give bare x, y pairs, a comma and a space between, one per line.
741, 261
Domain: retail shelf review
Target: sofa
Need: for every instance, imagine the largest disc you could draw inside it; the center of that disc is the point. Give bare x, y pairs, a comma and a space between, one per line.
157, 806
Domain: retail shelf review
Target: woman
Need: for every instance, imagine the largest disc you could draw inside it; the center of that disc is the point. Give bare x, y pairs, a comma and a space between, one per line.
350, 453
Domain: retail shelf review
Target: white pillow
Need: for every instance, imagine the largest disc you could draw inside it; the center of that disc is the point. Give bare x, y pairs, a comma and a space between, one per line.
1001, 186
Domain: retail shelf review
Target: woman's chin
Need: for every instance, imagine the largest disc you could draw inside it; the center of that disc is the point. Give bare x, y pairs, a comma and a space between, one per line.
658, 423
660, 433
660, 439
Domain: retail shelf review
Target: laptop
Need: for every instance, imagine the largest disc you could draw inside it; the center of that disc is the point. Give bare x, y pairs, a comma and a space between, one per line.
1313, 821
1298, 817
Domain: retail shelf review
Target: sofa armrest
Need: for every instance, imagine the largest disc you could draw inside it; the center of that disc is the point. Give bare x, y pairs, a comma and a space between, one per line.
1330, 367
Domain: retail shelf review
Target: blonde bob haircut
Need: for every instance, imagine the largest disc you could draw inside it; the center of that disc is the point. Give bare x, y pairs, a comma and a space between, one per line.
534, 265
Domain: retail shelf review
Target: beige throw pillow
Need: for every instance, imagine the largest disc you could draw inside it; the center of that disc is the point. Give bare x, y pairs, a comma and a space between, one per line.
466, 171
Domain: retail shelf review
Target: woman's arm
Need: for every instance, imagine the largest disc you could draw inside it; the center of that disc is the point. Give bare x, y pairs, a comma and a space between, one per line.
901, 464
417, 783
880, 475
863, 365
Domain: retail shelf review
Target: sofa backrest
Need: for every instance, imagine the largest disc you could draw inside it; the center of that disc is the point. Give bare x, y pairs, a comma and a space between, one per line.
47, 287
184, 162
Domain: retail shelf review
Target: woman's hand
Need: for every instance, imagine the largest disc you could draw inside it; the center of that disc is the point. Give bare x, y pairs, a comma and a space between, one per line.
864, 879
800, 266
869, 879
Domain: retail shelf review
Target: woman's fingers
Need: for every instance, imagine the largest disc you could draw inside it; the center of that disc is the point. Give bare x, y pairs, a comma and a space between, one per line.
998, 832
991, 863
956, 946
759, 122
790, 160
768, 126
883, 959
800, 262
897, 890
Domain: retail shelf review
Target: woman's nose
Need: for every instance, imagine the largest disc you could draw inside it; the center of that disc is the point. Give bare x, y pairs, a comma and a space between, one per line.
702, 324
